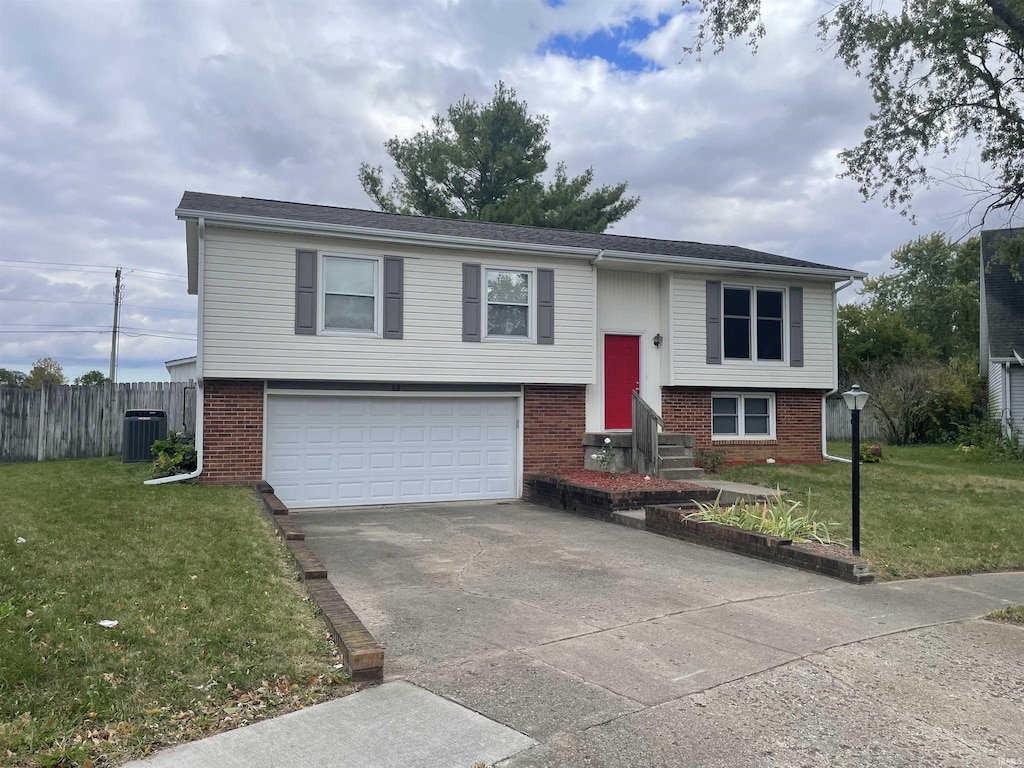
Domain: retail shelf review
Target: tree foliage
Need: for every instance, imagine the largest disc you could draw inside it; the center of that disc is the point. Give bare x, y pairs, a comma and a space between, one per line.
45, 370
926, 308
934, 288
10, 378
940, 71
91, 378
484, 162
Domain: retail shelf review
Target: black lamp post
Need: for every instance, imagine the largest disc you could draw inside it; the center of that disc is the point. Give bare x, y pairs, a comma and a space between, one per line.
856, 399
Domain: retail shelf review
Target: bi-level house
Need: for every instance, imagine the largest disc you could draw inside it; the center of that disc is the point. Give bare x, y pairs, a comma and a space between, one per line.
357, 357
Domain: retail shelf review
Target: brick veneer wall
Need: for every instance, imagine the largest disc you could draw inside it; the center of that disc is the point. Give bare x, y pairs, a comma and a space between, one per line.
232, 432
797, 425
554, 420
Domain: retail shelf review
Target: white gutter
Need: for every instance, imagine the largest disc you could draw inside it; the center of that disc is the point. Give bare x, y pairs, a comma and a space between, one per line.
835, 375
199, 372
600, 257
486, 244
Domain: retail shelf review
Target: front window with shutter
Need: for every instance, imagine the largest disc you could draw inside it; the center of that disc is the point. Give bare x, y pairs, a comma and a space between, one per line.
350, 288
508, 304
752, 323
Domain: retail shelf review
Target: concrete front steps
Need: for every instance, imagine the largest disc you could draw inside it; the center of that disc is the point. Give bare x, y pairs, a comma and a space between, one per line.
676, 452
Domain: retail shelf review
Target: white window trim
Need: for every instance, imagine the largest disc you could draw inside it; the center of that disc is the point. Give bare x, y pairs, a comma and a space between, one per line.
531, 307
740, 412
753, 325
321, 293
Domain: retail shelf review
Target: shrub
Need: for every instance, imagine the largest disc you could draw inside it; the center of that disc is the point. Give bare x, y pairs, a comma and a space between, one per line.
983, 440
173, 456
709, 459
776, 517
871, 454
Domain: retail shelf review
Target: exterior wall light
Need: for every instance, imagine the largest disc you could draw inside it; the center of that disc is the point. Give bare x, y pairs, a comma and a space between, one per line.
657, 340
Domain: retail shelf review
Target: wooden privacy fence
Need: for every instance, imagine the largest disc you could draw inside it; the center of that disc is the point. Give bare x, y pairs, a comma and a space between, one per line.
837, 422
75, 422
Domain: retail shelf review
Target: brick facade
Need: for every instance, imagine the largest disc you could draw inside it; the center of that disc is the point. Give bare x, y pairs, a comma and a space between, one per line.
232, 432
554, 420
797, 425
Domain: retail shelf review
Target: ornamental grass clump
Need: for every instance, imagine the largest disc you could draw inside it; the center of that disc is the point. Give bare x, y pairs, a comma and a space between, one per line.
776, 517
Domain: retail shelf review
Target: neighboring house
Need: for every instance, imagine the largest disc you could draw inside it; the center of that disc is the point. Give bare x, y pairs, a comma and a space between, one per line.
359, 357
182, 369
1002, 334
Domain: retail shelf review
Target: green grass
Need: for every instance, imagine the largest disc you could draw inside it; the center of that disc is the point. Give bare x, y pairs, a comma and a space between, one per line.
214, 631
1012, 614
925, 510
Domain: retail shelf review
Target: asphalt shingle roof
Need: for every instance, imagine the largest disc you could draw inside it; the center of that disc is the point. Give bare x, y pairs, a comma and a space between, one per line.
482, 230
1004, 297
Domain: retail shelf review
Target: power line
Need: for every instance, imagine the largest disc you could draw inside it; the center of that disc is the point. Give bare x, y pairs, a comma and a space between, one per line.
89, 270
100, 304
133, 335
99, 266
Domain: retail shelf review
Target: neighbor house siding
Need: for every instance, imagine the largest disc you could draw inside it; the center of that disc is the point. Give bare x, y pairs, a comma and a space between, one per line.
689, 366
797, 425
249, 319
1016, 405
996, 378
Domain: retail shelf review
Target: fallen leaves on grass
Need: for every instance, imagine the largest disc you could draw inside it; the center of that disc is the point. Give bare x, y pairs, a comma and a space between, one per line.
623, 481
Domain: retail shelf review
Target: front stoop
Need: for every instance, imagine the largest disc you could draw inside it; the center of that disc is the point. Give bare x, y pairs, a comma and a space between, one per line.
676, 453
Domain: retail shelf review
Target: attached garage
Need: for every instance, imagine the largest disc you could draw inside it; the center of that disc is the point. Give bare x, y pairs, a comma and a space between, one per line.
325, 450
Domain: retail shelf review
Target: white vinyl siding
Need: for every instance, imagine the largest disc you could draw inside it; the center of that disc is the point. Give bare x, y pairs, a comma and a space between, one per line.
688, 342
249, 318
996, 384
1016, 410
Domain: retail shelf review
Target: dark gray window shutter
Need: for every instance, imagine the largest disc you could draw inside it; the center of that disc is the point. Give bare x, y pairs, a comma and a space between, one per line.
471, 287
545, 306
714, 322
796, 327
393, 296
305, 291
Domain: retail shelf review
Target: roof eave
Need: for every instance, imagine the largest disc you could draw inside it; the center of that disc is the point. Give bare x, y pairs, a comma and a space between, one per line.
485, 244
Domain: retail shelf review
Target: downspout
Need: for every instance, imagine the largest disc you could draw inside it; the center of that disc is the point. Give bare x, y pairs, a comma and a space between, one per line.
201, 252
597, 258
835, 374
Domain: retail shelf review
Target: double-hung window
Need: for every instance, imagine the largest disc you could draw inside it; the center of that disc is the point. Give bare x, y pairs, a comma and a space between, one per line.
351, 291
752, 323
743, 416
509, 296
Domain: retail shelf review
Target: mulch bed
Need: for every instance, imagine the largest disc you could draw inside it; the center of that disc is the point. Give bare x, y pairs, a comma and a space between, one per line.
622, 481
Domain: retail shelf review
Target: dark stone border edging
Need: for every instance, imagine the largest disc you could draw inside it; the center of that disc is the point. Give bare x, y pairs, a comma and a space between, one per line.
558, 493
362, 655
671, 521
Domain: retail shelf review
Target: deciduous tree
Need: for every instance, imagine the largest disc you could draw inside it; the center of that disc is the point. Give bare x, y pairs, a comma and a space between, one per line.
940, 71
45, 369
91, 378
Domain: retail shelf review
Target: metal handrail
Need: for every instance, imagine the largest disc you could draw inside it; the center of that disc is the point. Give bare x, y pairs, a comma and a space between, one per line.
646, 423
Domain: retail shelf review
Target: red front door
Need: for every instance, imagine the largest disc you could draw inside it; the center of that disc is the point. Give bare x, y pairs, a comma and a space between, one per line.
621, 377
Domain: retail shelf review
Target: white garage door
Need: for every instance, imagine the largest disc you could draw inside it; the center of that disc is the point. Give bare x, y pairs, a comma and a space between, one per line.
327, 451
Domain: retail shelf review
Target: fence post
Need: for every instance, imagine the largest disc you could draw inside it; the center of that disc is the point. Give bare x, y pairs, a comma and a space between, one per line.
41, 442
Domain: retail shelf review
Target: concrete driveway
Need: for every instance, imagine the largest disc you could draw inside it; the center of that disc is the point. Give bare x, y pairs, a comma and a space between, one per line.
615, 647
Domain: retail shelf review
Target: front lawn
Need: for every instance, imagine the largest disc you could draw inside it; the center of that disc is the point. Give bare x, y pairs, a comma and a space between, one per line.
925, 510
213, 630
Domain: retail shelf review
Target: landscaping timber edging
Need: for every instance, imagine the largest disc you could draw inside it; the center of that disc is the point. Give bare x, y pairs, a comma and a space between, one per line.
362, 655
673, 522
558, 493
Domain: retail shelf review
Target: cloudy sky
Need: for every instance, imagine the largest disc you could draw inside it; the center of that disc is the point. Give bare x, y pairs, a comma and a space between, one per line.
110, 110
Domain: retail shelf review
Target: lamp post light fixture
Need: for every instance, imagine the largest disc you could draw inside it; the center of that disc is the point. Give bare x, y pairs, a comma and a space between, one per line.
856, 399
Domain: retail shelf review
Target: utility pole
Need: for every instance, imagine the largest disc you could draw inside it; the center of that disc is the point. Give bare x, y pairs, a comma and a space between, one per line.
118, 292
